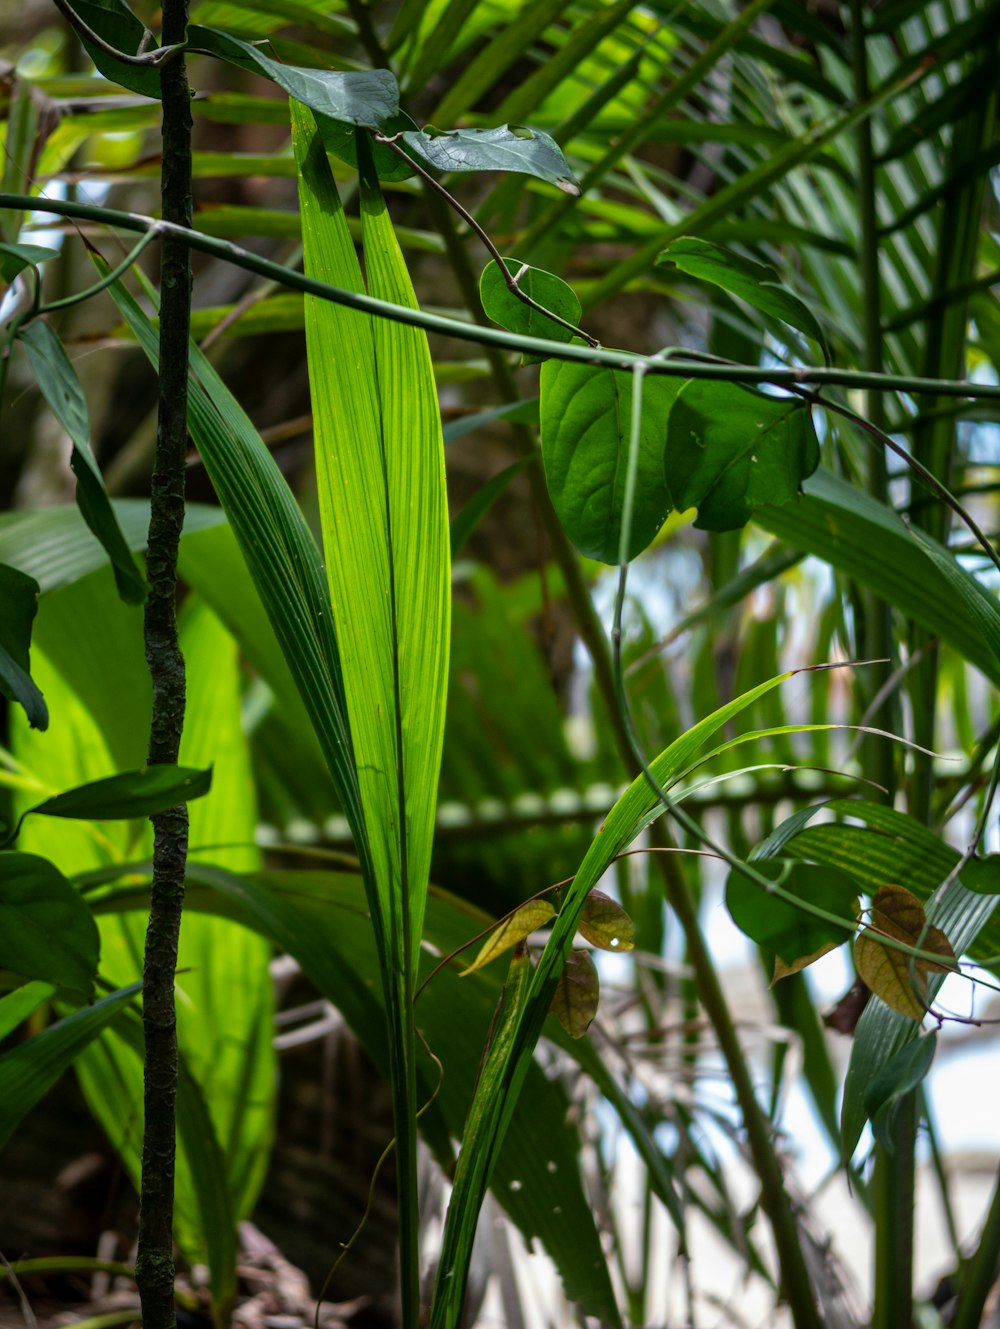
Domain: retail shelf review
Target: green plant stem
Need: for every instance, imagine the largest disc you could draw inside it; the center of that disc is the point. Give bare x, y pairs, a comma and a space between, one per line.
154, 1271
774, 1198
681, 365
980, 1270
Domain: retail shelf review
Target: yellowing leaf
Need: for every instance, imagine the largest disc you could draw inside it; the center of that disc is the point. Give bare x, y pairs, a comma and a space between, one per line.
605, 923
577, 994
890, 973
783, 970
520, 924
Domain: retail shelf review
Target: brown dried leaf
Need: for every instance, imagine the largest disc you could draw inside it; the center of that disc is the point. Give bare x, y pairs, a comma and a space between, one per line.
575, 1002
897, 913
521, 923
605, 923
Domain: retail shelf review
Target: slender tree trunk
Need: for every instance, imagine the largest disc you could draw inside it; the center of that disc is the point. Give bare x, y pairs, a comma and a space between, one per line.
155, 1263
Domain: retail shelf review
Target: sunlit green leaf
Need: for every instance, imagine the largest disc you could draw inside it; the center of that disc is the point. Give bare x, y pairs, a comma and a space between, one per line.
16, 1006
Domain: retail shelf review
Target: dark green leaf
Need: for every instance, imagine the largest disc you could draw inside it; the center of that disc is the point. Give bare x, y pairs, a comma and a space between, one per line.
366, 98
586, 416
32, 1067
341, 141
753, 282
730, 449
503, 307
506, 148
15, 258
898, 1077
46, 930
480, 503
577, 994
61, 388
131, 794
18, 605
791, 933
115, 22
982, 875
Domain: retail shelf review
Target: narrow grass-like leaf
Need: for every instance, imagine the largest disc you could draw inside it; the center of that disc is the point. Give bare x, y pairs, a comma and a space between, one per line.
61, 388
32, 1067
18, 605
131, 794
481, 502
507, 1074
46, 930
754, 282
866, 540
16, 1006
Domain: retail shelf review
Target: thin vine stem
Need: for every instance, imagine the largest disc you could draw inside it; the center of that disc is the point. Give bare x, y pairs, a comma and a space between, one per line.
673, 366
142, 60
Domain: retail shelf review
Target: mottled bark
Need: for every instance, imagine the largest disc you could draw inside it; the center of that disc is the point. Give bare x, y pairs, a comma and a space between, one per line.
155, 1263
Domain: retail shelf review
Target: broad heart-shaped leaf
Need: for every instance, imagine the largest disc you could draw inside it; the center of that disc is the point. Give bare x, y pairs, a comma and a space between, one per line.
792, 934
61, 388
605, 924
891, 974
506, 148
15, 258
32, 1067
730, 448
366, 98
132, 794
46, 930
898, 1077
503, 307
521, 924
577, 994
586, 416
753, 282
18, 605
115, 22
22, 1002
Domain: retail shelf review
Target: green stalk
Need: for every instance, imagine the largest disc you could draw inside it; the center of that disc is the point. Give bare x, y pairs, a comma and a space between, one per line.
154, 1266
894, 1176
795, 1277
980, 1270
675, 366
